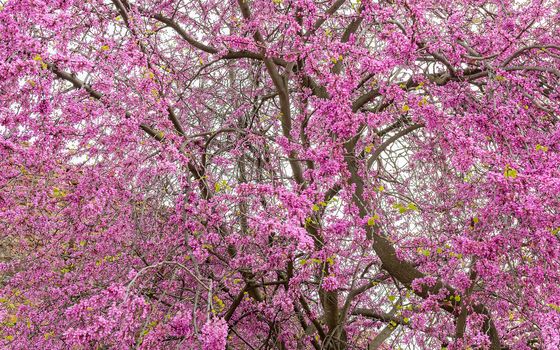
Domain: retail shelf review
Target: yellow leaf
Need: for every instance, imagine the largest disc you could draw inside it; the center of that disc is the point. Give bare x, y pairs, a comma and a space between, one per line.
12, 320
315, 207
22, 170
371, 220
105, 48
368, 148
405, 108
37, 58
219, 302
510, 172
58, 193
457, 298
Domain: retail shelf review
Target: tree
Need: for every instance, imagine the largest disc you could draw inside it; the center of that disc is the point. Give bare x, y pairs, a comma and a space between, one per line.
280, 174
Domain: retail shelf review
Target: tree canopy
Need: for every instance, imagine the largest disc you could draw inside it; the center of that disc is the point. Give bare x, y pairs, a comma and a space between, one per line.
280, 174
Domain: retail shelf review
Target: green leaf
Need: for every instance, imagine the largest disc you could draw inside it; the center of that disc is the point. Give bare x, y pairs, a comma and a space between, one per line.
401, 208
510, 172
412, 206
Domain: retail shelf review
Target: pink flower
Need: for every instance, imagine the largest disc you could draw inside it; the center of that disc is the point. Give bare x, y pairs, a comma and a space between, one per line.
330, 283
214, 334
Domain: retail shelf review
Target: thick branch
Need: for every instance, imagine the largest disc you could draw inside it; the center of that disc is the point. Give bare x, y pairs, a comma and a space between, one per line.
283, 94
390, 141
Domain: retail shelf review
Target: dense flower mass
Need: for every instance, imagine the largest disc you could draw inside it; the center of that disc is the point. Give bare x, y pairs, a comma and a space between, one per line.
280, 174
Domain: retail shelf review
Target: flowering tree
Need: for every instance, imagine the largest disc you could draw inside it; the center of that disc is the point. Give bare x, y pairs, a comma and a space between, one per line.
280, 174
